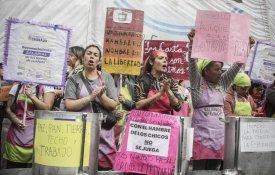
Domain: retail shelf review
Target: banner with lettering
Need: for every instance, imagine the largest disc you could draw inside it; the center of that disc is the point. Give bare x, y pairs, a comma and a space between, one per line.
176, 53
221, 36
257, 136
123, 41
150, 144
263, 63
4, 92
35, 52
58, 143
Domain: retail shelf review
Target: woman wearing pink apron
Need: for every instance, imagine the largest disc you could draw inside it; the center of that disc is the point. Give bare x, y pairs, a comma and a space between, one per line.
207, 87
155, 91
103, 92
19, 141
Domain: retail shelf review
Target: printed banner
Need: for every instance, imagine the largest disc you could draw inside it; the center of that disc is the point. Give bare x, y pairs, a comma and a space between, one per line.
150, 144
58, 143
257, 136
123, 41
263, 63
176, 52
35, 53
221, 36
4, 93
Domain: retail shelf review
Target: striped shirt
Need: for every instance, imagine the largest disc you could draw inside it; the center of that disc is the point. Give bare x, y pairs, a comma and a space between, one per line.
196, 80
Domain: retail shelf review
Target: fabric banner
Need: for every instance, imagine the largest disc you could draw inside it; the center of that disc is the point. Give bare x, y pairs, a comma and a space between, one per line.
123, 41
221, 36
35, 52
176, 52
150, 144
263, 63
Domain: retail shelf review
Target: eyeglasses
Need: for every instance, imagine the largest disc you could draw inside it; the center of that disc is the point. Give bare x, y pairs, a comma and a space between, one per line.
244, 88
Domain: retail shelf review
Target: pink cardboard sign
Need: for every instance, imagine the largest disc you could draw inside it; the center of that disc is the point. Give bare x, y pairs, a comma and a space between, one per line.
176, 52
150, 144
221, 36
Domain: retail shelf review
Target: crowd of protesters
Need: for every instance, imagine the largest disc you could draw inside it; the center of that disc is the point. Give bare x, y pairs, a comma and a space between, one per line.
213, 95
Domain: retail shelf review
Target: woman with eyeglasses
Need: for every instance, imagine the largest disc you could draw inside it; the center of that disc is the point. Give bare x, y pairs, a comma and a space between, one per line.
237, 100
257, 92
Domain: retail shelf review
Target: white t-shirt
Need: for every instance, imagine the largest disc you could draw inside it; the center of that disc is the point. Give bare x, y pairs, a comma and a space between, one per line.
47, 89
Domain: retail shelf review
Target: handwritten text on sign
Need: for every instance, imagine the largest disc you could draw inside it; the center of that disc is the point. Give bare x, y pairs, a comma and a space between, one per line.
257, 136
149, 139
58, 143
148, 146
176, 53
221, 36
122, 41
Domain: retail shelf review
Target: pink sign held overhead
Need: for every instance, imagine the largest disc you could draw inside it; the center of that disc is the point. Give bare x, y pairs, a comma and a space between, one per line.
150, 144
221, 36
176, 53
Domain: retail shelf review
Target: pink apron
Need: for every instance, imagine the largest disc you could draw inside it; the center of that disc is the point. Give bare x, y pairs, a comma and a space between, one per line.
208, 129
162, 105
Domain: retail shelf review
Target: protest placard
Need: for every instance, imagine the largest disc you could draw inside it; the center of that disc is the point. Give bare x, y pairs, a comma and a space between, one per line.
150, 144
58, 143
263, 63
122, 41
221, 36
257, 136
176, 53
35, 52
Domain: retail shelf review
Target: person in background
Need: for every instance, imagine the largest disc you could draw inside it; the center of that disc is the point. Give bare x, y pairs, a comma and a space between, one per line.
208, 84
74, 62
75, 59
77, 98
125, 99
257, 92
186, 107
4, 122
19, 143
237, 100
155, 91
269, 104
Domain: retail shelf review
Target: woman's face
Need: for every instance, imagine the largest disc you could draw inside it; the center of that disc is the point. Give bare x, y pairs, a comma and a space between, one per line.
72, 59
160, 63
91, 58
257, 92
213, 73
242, 90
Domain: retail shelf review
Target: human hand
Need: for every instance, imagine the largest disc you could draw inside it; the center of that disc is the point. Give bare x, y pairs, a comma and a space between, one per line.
165, 86
191, 36
58, 93
28, 90
102, 90
19, 124
251, 41
121, 98
119, 114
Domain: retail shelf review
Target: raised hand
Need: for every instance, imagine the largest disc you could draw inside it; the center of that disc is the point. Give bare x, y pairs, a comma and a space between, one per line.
251, 41
191, 36
28, 90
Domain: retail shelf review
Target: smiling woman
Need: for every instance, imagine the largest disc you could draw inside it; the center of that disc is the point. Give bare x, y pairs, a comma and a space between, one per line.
155, 90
